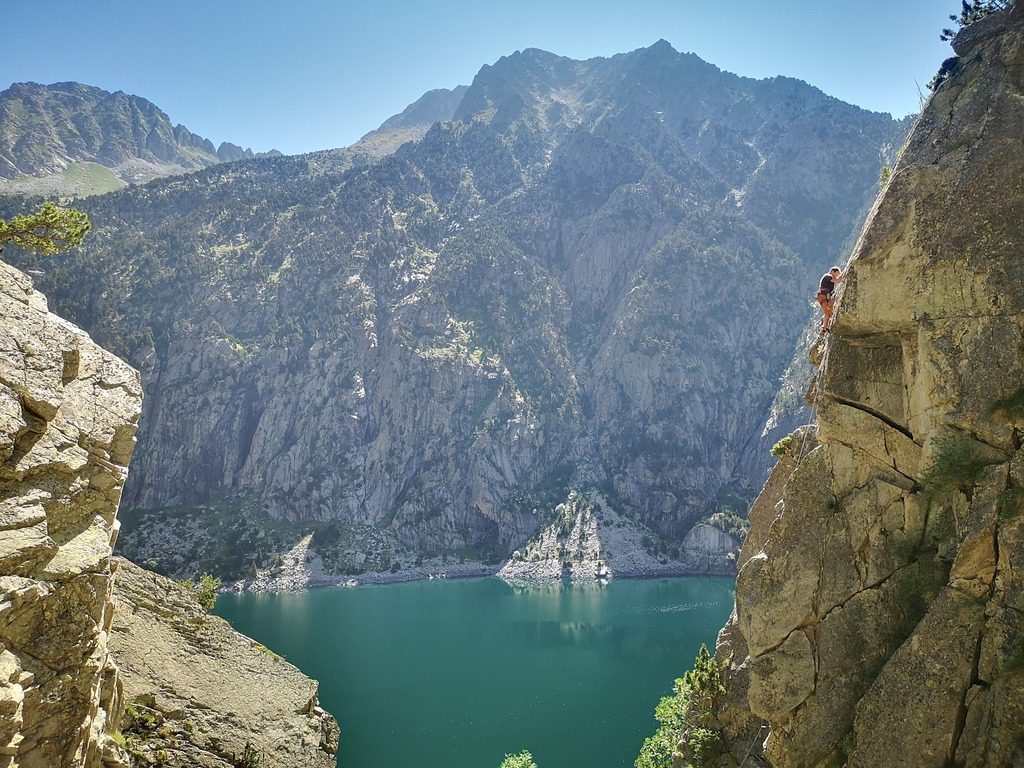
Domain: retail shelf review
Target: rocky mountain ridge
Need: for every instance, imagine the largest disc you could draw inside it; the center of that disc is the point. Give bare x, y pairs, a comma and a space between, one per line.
879, 601
413, 122
588, 281
70, 138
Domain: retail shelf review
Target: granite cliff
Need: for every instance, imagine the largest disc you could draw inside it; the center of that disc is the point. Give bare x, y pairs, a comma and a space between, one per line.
880, 603
587, 281
68, 417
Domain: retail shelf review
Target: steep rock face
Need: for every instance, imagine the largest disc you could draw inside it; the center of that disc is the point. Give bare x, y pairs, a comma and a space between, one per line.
68, 416
588, 281
879, 602
587, 539
199, 692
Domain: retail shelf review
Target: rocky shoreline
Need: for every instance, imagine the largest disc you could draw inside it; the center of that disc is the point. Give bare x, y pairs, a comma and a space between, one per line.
297, 582
544, 560
586, 540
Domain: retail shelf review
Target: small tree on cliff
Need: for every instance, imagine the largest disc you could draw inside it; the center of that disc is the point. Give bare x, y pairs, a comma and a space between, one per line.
49, 230
971, 12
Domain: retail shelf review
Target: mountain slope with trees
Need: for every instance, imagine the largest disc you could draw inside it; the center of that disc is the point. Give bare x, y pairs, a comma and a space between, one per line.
589, 280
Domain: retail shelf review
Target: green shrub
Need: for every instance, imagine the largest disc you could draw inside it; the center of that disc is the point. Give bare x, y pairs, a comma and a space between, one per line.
704, 745
1011, 407
251, 758
730, 523
48, 231
956, 467
782, 446
971, 12
523, 760
657, 750
205, 590
685, 716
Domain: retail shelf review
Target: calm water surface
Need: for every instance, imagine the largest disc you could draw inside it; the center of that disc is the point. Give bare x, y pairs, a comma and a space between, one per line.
456, 673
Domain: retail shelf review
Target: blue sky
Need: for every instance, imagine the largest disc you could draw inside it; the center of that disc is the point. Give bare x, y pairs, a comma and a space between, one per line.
313, 74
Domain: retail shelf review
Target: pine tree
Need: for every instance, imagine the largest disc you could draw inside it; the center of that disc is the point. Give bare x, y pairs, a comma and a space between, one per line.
50, 230
971, 12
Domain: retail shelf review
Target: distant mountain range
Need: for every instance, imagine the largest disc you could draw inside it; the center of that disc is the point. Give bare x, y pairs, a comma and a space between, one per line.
74, 139
584, 279
70, 139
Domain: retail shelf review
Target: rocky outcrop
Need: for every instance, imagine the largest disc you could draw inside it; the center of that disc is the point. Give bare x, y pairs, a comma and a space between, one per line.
68, 416
201, 695
706, 549
589, 540
879, 602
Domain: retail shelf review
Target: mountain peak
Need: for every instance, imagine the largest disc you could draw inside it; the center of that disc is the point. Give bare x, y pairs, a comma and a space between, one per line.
662, 45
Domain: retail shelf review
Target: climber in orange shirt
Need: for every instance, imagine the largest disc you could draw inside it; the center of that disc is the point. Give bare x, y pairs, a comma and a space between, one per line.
826, 298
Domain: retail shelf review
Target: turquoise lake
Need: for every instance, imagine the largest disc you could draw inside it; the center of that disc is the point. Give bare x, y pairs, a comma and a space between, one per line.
457, 673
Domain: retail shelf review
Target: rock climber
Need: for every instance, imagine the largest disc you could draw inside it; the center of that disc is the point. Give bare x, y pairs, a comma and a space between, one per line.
826, 299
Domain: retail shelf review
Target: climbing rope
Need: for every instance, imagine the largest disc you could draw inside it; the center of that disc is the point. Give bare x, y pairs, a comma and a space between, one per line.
752, 742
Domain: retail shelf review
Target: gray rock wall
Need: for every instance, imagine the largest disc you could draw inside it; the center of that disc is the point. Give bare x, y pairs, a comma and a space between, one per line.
879, 602
68, 417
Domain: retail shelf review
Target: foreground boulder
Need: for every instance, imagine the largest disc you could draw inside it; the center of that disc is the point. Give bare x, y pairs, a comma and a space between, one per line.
201, 695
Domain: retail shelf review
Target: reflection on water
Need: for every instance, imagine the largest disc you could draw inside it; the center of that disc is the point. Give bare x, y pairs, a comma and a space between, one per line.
455, 673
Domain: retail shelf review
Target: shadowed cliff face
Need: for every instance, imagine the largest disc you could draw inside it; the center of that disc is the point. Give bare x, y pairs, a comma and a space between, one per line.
590, 280
879, 601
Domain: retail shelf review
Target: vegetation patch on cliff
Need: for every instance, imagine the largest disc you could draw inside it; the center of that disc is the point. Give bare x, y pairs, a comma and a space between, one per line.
957, 466
686, 720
